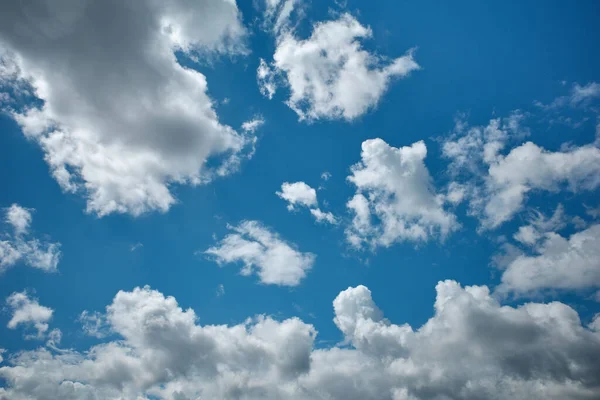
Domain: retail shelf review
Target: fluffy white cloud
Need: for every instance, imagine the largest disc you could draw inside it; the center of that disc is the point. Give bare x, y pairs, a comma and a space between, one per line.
116, 115
19, 218
330, 75
529, 167
395, 199
471, 348
498, 184
27, 312
301, 194
560, 263
263, 252
20, 246
298, 193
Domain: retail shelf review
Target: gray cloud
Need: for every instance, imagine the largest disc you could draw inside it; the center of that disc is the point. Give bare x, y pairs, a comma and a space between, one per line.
116, 115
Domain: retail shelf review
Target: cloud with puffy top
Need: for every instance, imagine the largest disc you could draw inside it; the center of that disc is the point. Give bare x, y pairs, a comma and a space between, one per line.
395, 199
330, 75
471, 348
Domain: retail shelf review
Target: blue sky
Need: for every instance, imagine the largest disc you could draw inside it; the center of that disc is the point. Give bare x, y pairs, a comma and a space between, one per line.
172, 148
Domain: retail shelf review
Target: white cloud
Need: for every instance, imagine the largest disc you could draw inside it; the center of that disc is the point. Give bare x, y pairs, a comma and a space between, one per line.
19, 218
592, 212
531, 168
94, 324
395, 199
263, 252
298, 193
472, 348
220, 290
301, 194
330, 75
579, 96
586, 92
322, 216
278, 13
265, 78
27, 312
560, 263
527, 235
20, 246
120, 119
252, 125
498, 184
136, 246
325, 176
539, 225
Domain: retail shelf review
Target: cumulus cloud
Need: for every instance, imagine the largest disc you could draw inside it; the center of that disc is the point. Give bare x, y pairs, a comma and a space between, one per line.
264, 253
300, 194
471, 348
558, 263
498, 184
329, 74
27, 312
117, 117
395, 199
21, 246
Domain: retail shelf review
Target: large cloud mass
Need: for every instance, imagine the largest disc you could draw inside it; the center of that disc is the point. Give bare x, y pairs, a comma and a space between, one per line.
472, 348
114, 112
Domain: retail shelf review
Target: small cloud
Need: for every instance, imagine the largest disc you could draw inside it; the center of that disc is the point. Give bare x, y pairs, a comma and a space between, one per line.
136, 246
251, 126
27, 312
19, 244
325, 176
264, 253
220, 290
